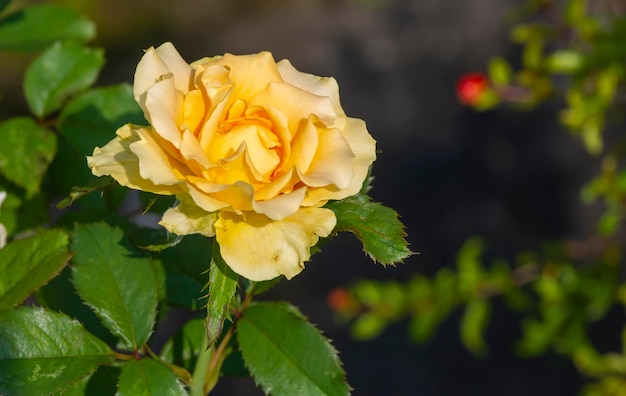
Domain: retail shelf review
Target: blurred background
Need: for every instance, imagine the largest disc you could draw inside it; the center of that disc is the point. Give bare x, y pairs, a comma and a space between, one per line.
511, 177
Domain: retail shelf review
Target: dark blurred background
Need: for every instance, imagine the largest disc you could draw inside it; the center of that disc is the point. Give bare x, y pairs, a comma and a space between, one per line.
512, 177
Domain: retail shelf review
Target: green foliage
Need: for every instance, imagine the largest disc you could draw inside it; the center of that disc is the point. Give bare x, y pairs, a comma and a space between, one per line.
121, 289
64, 69
376, 226
103, 283
36, 344
36, 27
26, 150
148, 378
272, 337
29, 263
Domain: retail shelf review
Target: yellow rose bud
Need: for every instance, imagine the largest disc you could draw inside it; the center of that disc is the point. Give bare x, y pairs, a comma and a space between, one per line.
252, 149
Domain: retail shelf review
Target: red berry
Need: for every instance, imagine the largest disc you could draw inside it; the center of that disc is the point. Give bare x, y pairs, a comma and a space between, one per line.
470, 87
339, 299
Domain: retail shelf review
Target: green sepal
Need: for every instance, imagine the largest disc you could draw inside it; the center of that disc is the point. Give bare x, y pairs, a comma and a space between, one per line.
222, 287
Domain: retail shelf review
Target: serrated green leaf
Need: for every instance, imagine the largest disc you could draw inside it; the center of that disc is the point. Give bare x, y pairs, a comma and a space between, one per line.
26, 150
42, 352
286, 354
147, 377
29, 263
64, 69
377, 226
222, 287
103, 382
59, 295
120, 288
36, 27
90, 119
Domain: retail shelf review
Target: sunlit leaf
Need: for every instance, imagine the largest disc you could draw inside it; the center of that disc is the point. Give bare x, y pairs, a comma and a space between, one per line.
64, 69
377, 226
273, 338
42, 352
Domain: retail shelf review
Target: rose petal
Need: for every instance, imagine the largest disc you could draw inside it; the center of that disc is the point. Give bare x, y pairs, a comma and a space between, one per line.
261, 249
117, 160
188, 218
282, 206
250, 74
364, 147
154, 65
321, 86
164, 110
154, 164
296, 103
332, 163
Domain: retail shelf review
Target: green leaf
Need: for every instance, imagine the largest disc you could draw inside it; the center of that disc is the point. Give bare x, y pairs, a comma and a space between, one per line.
90, 119
59, 295
473, 324
147, 377
377, 226
42, 352
36, 27
286, 354
120, 288
185, 346
78, 192
27, 264
4, 4
222, 287
26, 150
63, 70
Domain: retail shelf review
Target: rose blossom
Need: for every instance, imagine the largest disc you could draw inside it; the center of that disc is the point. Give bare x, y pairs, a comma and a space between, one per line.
251, 148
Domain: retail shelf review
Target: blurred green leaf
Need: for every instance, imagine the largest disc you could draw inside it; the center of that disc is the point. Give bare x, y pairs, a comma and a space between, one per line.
26, 150
222, 288
185, 346
36, 27
63, 70
120, 288
29, 263
473, 324
565, 61
272, 338
4, 4
368, 326
500, 71
376, 226
147, 377
44, 352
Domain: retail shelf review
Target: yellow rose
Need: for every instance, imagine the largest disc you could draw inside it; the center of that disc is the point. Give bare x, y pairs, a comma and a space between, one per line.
251, 148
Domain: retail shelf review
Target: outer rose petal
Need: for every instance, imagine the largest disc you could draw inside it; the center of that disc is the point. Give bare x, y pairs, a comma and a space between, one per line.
364, 147
261, 249
117, 160
188, 218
